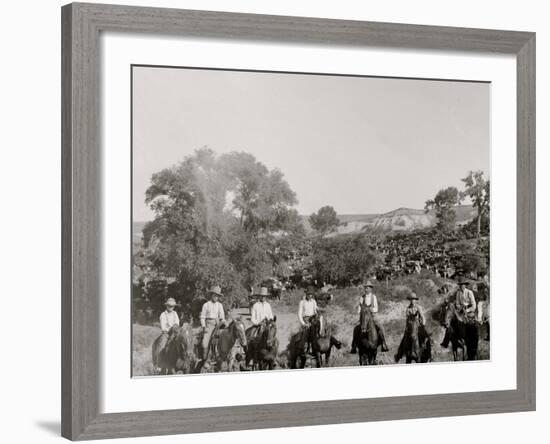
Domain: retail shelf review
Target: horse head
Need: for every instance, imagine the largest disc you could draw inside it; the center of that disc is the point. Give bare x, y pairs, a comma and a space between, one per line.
445, 314
365, 317
270, 332
239, 329
179, 341
412, 324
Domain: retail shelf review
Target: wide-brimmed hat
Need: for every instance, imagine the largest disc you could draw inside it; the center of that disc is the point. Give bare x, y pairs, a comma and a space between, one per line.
463, 282
216, 289
263, 292
412, 296
171, 302
368, 284
310, 290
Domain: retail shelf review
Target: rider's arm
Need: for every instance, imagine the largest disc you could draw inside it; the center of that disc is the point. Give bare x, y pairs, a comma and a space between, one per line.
203, 316
177, 319
269, 313
221, 314
300, 312
374, 307
472, 301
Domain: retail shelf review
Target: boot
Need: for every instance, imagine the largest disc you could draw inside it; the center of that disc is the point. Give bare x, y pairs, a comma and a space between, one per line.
445, 342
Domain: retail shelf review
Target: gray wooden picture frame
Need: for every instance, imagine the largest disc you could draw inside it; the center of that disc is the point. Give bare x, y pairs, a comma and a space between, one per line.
81, 174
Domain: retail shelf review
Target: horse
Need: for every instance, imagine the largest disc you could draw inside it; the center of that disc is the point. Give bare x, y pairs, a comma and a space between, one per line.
177, 353
321, 344
222, 345
322, 341
262, 350
366, 338
416, 345
464, 333
482, 316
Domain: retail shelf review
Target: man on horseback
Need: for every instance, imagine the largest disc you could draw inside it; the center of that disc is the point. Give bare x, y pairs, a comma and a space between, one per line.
369, 300
261, 312
465, 305
416, 312
212, 316
168, 318
306, 310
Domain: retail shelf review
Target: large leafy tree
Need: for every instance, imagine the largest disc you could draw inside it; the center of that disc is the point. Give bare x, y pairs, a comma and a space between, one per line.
325, 220
477, 188
217, 219
443, 203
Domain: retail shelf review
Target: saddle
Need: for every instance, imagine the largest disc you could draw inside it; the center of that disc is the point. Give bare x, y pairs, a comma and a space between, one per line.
465, 317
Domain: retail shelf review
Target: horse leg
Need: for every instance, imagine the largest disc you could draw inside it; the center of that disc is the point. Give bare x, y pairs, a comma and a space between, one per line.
318, 359
373, 359
455, 352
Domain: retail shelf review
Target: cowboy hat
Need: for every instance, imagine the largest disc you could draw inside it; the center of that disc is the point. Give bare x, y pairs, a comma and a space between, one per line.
412, 296
171, 302
310, 290
263, 292
216, 289
368, 284
463, 282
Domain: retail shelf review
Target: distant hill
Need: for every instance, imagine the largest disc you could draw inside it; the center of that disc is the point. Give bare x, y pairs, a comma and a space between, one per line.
401, 219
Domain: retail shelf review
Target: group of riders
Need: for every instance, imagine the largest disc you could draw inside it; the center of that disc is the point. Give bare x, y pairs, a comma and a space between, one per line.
212, 316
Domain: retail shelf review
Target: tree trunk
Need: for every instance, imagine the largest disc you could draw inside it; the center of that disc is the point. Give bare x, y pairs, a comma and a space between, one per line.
479, 225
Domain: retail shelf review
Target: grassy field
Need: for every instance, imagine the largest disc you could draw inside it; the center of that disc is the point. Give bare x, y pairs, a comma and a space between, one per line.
342, 317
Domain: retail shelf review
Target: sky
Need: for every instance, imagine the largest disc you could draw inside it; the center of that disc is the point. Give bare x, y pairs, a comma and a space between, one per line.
360, 144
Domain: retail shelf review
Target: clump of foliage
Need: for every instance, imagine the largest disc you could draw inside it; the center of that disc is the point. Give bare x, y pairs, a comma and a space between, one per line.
325, 221
343, 259
477, 188
443, 204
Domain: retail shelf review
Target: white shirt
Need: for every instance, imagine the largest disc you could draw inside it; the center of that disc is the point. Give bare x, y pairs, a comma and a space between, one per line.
167, 319
211, 310
465, 298
260, 311
370, 300
306, 308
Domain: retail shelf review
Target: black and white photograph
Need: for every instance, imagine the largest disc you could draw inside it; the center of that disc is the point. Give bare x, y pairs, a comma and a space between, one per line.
275, 222
288, 220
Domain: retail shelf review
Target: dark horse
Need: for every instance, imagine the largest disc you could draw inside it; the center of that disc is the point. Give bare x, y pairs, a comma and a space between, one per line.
366, 337
464, 332
222, 342
416, 344
177, 355
322, 342
262, 349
